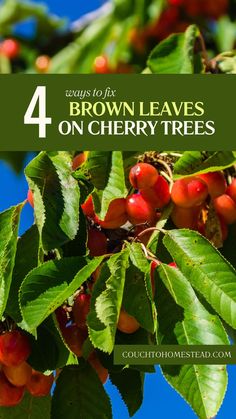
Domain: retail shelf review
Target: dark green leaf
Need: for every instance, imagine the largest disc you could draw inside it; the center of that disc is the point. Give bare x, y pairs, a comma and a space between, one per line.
9, 224
79, 393
26, 259
137, 299
30, 408
130, 386
193, 162
15, 159
57, 353
175, 55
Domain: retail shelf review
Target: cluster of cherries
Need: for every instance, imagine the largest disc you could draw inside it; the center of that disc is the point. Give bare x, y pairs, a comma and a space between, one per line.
16, 375
193, 195
139, 211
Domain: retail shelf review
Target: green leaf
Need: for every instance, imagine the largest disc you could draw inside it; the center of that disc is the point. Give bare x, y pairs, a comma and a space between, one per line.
9, 224
14, 11
98, 164
225, 34
206, 269
106, 302
175, 55
46, 287
189, 323
115, 187
30, 408
26, 259
57, 353
78, 56
137, 299
14, 158
130, 386
56, 198
193, 162
77, 247
79, 393
107, 174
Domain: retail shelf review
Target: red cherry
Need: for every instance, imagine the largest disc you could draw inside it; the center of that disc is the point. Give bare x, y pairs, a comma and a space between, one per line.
18, 376
14, 348
127, 323
139, 211
78, 160
81, 309
9, 394
42, 63
189, 192
101, 371
231, 190
159, 194
143, 175
30, 198
226, 208
75, 338
101, 64
216, 183
116, 214
10, 48
39, 385
185, 217
97, 242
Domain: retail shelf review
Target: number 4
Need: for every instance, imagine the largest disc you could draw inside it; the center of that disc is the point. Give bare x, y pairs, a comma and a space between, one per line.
41, 120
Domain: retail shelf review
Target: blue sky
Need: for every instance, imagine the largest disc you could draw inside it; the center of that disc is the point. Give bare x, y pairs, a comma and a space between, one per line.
160, 400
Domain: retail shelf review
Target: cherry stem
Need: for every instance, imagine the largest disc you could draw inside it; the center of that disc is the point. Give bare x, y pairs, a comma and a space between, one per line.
164, 174
204, 51
149, 230
149, 255
166, 166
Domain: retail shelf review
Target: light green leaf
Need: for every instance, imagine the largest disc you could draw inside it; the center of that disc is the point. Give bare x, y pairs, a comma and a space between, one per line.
206, 269
193, 162
56, 198
183, 320
106, 302
107, 172
46, 287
